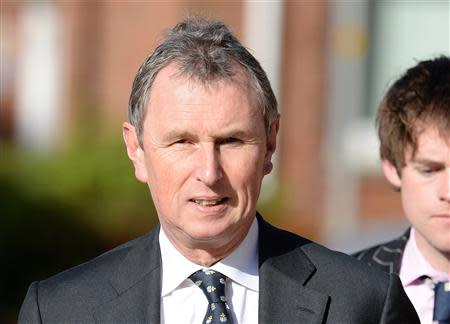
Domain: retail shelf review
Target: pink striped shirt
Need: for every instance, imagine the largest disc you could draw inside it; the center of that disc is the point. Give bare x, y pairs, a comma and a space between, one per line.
420, 292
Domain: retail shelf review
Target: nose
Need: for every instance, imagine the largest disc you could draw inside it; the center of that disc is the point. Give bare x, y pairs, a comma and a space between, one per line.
209, 169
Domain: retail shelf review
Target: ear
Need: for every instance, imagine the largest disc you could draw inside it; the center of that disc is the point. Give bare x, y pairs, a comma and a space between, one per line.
271, 145
391, 173
135, 152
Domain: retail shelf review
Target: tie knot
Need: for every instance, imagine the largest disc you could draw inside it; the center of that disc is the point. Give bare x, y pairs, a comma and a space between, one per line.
212, 283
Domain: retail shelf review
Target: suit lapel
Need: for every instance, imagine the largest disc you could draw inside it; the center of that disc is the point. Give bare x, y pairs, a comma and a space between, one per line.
283, 276
386, 256
389, 255
137, 282
284, 271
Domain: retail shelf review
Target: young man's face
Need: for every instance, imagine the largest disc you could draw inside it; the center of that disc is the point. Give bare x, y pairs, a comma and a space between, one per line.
425, 192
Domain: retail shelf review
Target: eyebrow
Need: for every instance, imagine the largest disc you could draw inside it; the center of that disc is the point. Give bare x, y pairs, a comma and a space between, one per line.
426, 161
175, 134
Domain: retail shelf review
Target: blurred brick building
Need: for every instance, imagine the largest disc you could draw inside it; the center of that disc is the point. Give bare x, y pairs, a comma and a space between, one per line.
320, 57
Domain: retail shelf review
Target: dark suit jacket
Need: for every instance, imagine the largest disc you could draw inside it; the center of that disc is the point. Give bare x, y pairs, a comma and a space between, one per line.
300, 282
386, 256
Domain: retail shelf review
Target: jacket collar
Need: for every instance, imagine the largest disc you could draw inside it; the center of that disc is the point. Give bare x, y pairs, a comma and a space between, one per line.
389, 255
137, 282
285, 270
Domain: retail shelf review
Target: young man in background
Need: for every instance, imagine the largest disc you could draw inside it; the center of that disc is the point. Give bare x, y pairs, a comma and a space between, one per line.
414, 130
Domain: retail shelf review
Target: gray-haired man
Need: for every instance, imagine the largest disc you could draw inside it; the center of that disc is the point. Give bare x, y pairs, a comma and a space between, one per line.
202, 131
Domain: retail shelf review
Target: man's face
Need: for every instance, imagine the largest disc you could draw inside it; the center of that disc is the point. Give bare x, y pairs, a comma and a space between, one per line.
425, 191
205, 152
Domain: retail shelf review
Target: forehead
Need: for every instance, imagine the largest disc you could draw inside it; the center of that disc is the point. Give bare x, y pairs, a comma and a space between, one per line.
174, 95
431, 144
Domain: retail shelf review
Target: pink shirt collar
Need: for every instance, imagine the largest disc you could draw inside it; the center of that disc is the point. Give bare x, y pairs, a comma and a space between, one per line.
414, 265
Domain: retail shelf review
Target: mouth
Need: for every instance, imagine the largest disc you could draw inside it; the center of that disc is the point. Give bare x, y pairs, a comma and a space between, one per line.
442, 218
209, 202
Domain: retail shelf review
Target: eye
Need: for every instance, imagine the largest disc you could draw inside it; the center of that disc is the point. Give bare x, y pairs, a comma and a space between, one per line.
427, 171
230, 140
181, 142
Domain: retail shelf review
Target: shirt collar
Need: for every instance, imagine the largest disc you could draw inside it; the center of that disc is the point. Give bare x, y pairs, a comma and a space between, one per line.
414, 265
241, 265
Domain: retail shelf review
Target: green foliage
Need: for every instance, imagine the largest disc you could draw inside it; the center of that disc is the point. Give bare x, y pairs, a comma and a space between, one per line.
275, 206
62, 208
94, 180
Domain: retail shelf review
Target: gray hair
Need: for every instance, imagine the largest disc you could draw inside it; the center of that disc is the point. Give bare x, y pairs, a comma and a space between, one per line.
207, 51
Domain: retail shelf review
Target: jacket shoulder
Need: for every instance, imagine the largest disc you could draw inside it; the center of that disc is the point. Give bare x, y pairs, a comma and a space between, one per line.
357, 292
386, 256
284, 247
338, 265
98, 268
72, 294
367, 294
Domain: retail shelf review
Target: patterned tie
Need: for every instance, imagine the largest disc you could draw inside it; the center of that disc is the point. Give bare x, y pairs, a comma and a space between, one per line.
212, 283
442, 302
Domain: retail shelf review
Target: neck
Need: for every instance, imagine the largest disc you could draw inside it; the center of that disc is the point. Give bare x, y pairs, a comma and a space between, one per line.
439, 260
206, 252
205, 257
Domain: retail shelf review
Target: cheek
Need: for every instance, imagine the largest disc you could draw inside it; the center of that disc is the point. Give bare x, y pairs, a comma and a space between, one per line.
165, 166
164, 178
416, 198
245, 170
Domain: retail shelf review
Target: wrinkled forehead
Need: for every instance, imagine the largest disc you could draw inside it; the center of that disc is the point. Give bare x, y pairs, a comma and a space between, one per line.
173, 89
238, 78
173, 75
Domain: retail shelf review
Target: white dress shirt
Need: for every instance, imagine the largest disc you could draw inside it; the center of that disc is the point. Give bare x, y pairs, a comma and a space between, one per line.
183, 302
420, 292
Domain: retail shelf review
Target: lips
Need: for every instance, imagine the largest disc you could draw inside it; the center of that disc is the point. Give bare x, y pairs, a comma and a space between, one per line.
442, 218
208, 202
210, 205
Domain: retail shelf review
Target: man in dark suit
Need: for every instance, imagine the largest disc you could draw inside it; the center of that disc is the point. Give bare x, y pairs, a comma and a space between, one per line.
202, 131
414, 131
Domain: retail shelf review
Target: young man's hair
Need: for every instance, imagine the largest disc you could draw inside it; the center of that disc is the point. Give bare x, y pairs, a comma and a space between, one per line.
420, 98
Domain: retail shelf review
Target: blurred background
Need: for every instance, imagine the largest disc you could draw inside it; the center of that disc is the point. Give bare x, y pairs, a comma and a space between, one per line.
67, 189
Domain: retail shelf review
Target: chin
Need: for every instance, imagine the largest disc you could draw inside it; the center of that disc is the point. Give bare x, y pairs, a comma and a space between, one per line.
205, 235
210, 235
444, 246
